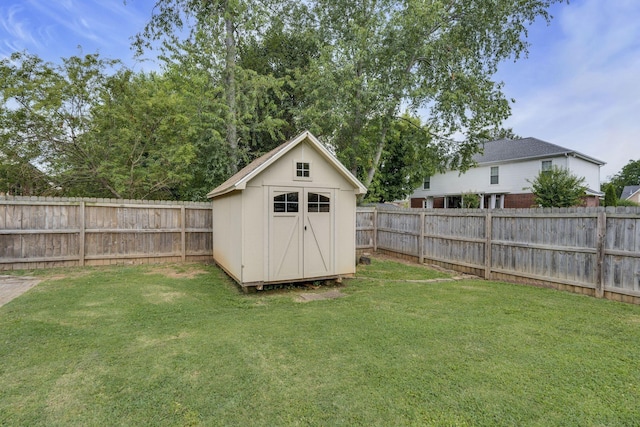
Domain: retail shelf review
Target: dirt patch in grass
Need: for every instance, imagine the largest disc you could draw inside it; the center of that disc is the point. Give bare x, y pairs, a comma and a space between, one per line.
634, 319
318, 296
162, 294
178, 271
72, 274
146, 341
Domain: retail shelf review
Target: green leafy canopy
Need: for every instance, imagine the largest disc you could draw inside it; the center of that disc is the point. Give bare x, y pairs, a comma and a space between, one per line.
557, 188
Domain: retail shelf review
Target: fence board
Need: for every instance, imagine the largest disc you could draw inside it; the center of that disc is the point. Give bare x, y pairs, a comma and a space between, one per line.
43, 232
589, 248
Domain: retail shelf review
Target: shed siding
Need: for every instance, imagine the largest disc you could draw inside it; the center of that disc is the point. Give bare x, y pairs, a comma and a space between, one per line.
253, 217
242, 218
227, 233
281, 173
345, 230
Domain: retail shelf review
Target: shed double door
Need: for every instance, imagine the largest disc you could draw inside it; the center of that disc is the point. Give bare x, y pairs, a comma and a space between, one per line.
300, 233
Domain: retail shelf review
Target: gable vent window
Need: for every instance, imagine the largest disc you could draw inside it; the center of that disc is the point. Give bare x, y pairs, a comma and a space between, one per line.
302, 170
286, 203
494, 175
318, 203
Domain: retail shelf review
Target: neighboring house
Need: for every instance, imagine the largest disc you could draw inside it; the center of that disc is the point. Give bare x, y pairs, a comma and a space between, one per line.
502, 174
631, 192
288, 216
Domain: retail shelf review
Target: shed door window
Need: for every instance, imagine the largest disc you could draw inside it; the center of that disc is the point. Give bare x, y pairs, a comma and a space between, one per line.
317, 203
286, 202
302, 170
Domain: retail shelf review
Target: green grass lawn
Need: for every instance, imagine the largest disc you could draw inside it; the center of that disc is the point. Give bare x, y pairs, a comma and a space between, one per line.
180, 345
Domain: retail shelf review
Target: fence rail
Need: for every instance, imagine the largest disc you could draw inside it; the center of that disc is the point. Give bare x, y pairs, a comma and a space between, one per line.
594, 251
39, 232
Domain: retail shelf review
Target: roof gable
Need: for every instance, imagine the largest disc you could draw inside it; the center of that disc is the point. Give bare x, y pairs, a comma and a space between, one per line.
239, 180
504, 150
629, 190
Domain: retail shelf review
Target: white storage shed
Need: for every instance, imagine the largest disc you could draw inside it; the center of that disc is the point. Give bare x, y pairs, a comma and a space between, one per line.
288, 216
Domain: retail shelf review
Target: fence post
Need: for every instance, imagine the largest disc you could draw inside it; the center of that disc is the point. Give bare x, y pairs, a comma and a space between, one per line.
375, 229
183, 238
421, 241
488, 230
82, 227
601, 228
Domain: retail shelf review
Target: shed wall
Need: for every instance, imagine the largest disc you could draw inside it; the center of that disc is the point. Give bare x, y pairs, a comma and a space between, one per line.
281, 173
345, 223
254, 219
227, 233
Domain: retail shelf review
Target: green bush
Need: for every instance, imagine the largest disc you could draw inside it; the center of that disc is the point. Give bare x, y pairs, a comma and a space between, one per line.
557, 188
610, 198
625, 202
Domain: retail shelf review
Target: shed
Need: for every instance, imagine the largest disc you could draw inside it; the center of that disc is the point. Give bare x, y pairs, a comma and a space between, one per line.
288, 216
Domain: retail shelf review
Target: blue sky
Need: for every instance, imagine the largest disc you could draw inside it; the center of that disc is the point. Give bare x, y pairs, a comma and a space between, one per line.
578, 88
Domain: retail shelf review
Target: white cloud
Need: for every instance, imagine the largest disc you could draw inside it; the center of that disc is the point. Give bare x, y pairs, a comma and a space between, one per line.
582, 91
18, 29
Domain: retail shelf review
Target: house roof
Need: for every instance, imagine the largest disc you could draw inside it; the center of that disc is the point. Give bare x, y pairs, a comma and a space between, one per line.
629, 190
239, 180
504, 150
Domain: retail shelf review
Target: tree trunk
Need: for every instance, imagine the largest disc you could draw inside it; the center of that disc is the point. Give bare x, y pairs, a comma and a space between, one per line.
376, 158
230, 83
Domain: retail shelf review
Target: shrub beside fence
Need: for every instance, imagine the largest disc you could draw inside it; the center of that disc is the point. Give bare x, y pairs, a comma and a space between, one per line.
41, 232
594, 251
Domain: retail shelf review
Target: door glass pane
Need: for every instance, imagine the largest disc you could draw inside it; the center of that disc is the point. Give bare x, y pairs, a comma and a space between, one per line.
318, 203
286, 203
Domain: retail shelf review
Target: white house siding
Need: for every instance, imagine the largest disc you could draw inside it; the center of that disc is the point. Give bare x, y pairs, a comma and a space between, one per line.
590, 171
512, 177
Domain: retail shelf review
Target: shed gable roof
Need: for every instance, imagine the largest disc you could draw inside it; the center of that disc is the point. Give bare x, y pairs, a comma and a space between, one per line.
629, 190
239, 180
504, 150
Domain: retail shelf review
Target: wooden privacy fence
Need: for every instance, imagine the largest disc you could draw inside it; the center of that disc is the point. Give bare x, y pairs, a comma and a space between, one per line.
39, 232
595, 251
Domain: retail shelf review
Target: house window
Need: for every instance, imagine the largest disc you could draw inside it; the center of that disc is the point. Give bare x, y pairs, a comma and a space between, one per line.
426, 184
318, 203
494, 174
302, 170
547, 165
286, 203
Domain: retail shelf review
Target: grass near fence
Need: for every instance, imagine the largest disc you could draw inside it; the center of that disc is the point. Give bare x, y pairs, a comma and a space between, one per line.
180, 345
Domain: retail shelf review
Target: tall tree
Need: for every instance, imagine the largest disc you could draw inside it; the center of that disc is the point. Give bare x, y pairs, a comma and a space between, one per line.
610, 198
211, 30
283, 53
141, 140
438, 57
94, 130
629, 175
408, 157
46, 108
